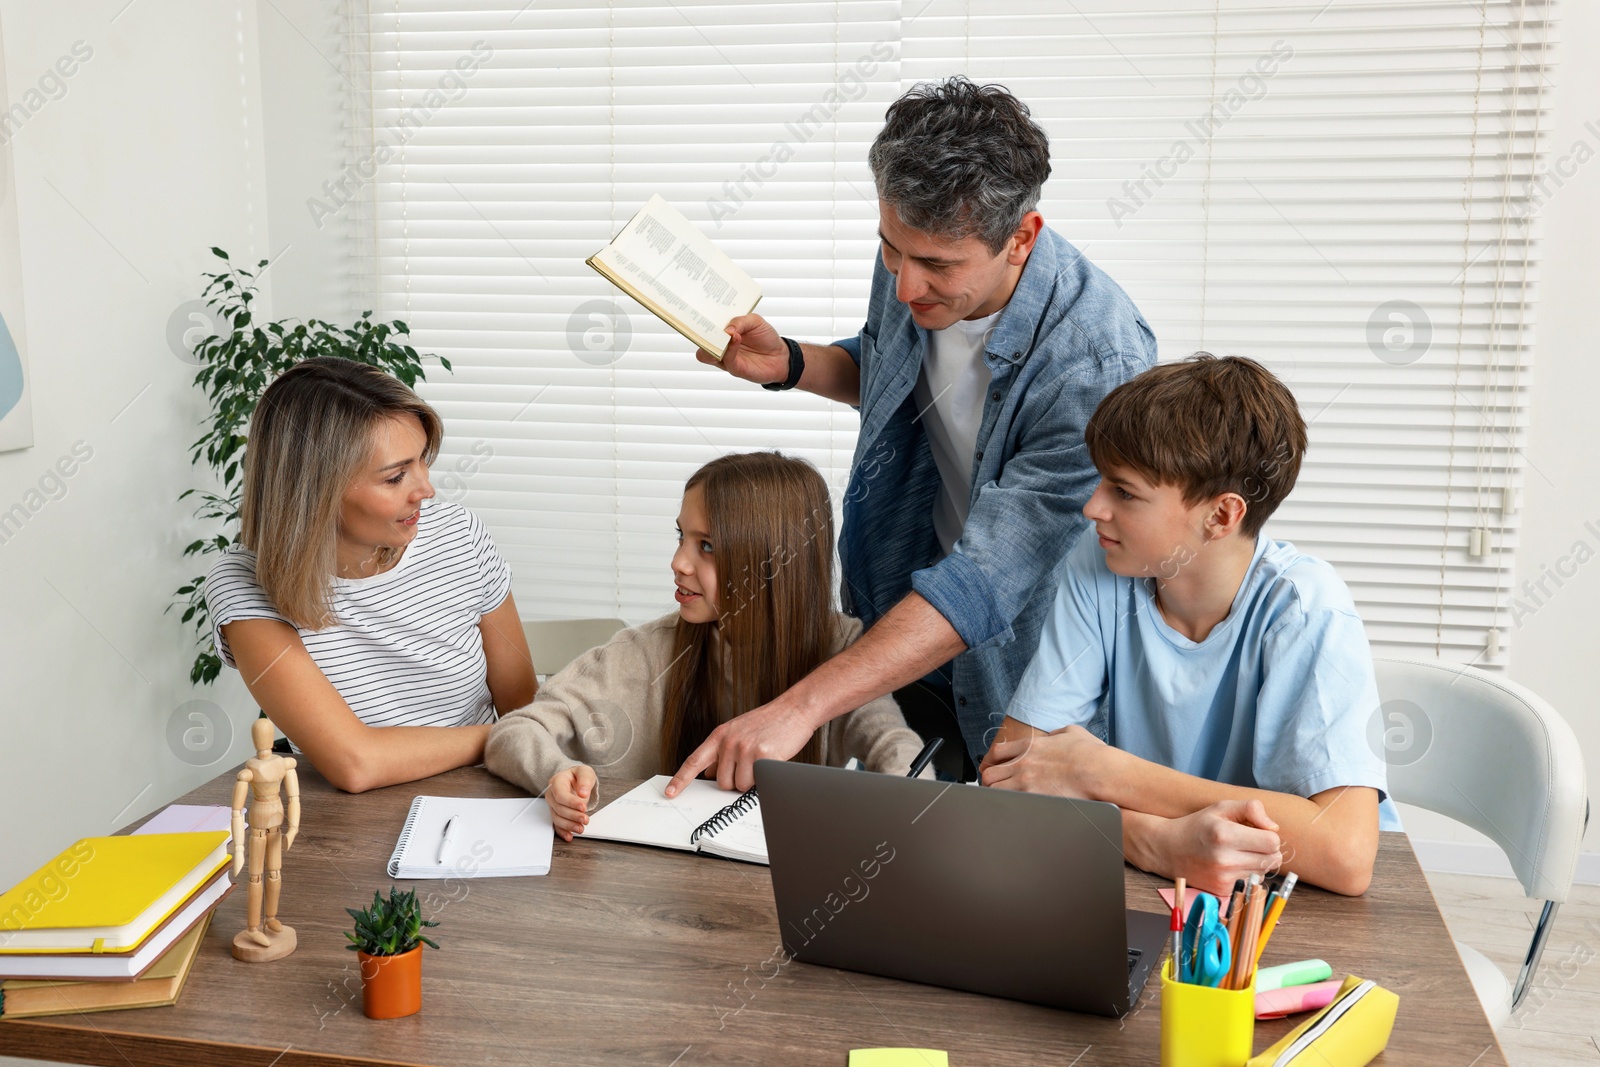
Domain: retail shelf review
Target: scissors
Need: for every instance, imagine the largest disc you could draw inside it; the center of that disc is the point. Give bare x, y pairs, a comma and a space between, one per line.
1207, 951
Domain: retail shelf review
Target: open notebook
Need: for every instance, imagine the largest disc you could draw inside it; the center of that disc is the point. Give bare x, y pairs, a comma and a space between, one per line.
488, 838
702, 818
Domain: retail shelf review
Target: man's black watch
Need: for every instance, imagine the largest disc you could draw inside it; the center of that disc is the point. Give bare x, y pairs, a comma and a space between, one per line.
797, 367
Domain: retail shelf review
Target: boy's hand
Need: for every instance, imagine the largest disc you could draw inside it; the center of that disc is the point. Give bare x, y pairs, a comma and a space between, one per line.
1062, 763
568, 796
1219, 844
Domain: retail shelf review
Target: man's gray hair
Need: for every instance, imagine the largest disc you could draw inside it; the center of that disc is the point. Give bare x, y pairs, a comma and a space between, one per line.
959, 160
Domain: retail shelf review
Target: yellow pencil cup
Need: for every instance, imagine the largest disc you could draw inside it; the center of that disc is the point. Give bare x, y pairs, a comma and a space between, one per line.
1205, 1027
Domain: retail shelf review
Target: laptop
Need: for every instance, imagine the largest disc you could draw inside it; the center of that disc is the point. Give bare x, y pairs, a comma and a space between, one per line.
1009, 894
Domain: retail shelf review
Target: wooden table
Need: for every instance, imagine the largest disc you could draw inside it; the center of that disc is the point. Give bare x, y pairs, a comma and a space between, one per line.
631, 955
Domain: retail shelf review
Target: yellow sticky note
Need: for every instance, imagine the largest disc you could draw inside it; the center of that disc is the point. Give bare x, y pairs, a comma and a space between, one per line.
898, 1057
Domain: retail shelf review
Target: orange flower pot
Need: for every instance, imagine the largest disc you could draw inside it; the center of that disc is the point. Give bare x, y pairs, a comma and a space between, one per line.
391, 986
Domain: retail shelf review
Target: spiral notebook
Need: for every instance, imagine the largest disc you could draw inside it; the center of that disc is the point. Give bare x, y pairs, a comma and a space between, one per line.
702, 818
487, 838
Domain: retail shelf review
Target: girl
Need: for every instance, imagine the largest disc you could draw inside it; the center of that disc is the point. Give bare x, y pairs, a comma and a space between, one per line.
373, 625
754, 575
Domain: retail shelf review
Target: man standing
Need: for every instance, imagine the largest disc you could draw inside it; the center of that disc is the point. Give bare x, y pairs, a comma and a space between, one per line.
988, 343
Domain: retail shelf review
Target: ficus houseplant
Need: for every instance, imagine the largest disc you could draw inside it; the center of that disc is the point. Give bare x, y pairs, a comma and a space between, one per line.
237, 363
388, 938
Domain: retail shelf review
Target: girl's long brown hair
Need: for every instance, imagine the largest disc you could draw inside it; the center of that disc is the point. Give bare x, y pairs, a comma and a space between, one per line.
771, 527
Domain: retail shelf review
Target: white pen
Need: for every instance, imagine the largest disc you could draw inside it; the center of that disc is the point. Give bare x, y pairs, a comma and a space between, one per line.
449, 826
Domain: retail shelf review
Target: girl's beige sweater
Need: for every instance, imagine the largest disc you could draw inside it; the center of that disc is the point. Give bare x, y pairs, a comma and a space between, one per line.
605, 708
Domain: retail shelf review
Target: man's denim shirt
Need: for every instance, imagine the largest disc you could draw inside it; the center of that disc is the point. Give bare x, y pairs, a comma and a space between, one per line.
1068, 336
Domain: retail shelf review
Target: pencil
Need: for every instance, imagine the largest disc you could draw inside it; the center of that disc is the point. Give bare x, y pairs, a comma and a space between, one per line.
1230, 918
1249, 930
1236, 929
1272, 916
1234, 898
1247, 969
1177, 929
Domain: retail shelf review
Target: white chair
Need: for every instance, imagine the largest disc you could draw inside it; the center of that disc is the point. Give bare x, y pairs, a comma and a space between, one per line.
1488, 753
554, 643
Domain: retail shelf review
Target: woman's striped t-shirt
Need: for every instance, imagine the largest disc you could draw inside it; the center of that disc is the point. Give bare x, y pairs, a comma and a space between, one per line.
406, 650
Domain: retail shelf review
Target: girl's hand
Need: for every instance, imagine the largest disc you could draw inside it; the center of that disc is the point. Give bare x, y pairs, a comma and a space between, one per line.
568, 796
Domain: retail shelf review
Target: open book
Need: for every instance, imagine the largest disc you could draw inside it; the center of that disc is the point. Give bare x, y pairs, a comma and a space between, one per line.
702, 818
675, 271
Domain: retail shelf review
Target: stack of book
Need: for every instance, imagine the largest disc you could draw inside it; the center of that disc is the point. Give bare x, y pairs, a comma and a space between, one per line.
112, 922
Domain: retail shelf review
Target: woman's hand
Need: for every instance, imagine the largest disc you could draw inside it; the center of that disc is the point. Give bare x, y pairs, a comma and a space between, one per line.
568, 796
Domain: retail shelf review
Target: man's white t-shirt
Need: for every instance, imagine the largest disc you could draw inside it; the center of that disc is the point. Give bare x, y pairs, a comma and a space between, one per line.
949, 395
406, 649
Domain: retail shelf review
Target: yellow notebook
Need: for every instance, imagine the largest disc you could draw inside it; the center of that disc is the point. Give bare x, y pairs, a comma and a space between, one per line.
1350, 1032
107, 894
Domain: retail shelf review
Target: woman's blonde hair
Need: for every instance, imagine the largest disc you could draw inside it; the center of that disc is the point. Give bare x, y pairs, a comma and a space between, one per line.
311, 434
771, 527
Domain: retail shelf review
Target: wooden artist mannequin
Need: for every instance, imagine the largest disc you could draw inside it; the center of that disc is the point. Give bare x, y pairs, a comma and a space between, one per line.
266, 938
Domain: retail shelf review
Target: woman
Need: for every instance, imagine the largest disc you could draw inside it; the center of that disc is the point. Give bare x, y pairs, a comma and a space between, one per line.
374, 626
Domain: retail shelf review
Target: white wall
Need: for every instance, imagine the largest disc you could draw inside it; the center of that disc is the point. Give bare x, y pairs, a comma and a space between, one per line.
1557, 648
153, 155
303, 96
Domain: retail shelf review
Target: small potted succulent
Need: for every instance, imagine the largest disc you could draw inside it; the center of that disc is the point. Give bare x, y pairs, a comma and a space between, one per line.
388, 938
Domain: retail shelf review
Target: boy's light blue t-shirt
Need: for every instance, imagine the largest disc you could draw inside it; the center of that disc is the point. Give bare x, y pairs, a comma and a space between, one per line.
1278, 695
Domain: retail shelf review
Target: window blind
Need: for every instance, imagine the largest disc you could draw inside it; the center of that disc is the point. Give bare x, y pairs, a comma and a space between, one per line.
587, 413
1339, 190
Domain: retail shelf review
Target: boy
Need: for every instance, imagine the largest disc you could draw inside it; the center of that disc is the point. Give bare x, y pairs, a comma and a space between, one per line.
1230, 671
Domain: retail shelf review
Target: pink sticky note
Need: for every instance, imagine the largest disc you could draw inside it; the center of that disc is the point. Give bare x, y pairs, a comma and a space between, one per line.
1279, 1003
1188, 898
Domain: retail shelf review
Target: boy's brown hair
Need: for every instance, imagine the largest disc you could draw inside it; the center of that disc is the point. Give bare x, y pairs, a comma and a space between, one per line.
1209, 425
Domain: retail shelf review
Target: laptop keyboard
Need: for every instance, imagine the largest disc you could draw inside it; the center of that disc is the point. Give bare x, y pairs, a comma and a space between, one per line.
1134, 956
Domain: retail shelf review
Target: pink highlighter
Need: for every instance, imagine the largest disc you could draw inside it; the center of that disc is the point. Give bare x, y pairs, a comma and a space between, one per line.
1280, 1003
